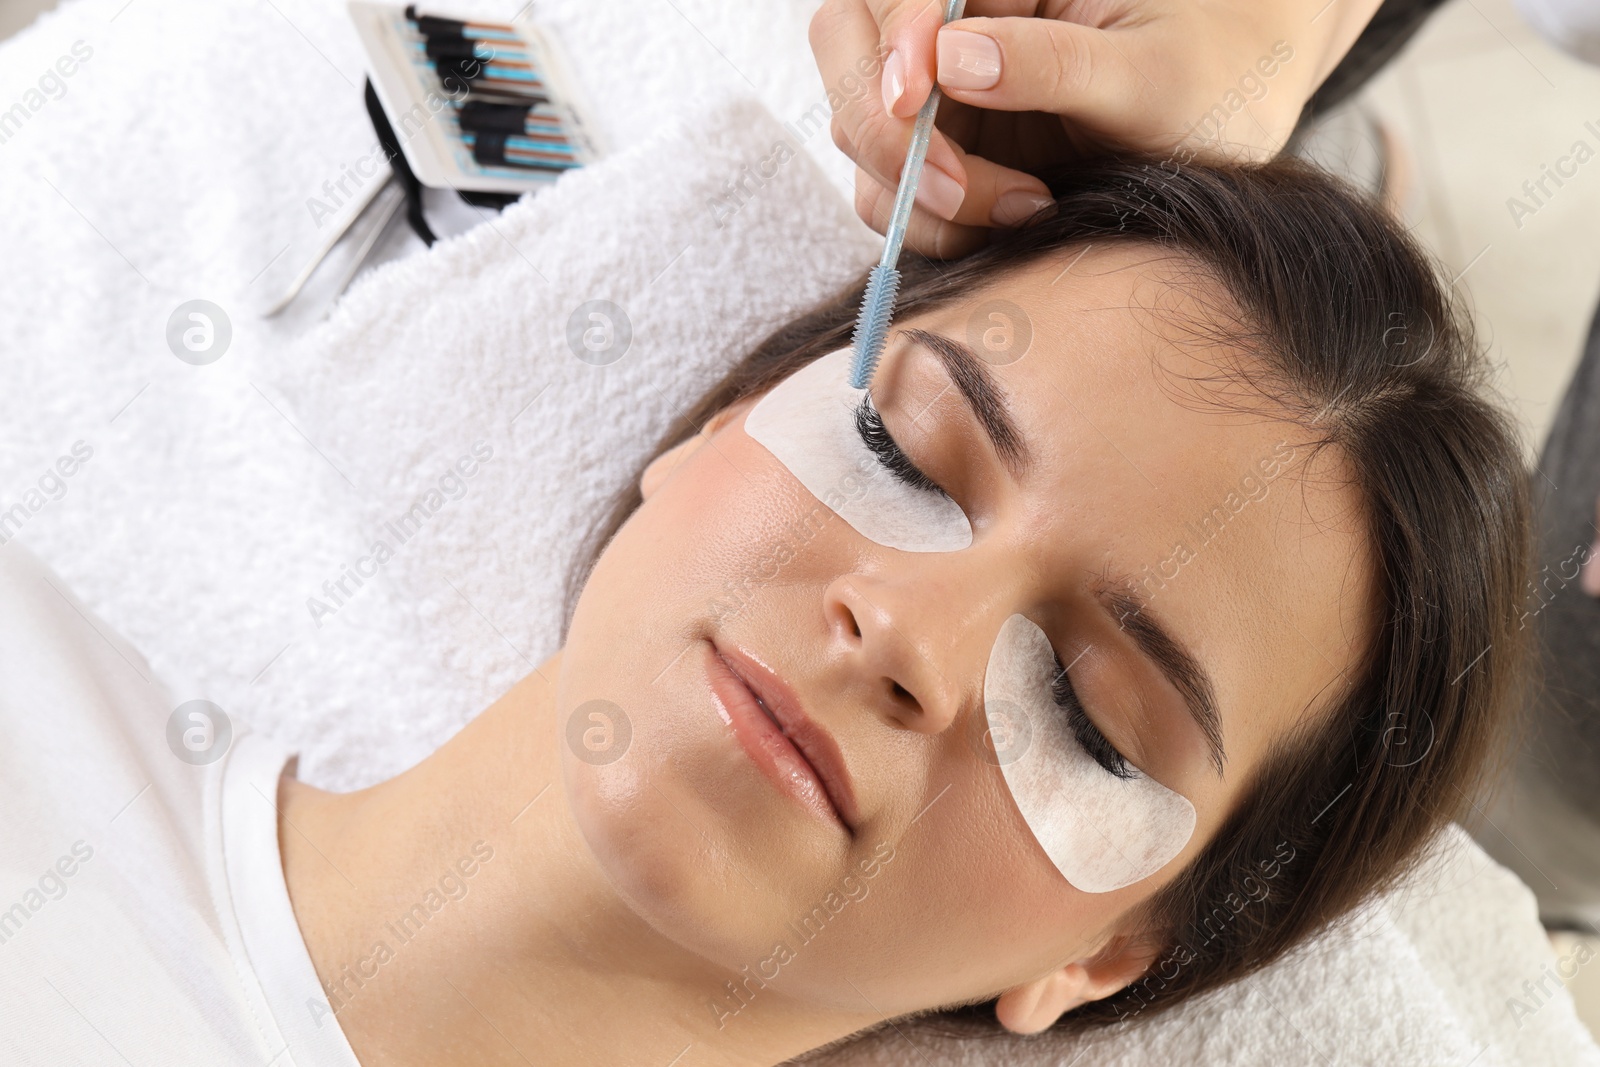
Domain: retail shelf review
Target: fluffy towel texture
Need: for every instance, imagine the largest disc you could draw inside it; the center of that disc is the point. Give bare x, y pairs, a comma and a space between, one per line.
239, 499
218, 499
1419, 978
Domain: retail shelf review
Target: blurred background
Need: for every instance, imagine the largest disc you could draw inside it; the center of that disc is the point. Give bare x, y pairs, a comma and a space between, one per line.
1476, 105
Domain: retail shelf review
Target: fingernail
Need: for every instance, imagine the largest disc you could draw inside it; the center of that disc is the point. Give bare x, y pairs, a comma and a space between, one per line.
894, 80
1590, 578
968, 60
939, 193
1017, 206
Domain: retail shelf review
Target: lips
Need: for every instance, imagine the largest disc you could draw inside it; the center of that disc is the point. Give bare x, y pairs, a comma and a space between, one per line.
798, 754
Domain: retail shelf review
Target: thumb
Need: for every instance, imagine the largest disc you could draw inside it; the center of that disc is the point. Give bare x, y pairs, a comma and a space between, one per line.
1037, 64
909, 32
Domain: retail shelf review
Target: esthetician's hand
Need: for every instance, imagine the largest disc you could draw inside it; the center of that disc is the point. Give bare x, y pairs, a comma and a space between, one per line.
1030, 85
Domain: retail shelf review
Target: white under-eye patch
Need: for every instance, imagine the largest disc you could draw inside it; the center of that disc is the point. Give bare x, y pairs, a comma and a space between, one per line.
808, 421
1102, 832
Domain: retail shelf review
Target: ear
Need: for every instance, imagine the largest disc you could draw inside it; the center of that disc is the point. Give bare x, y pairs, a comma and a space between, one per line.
1036, 1005
659, 469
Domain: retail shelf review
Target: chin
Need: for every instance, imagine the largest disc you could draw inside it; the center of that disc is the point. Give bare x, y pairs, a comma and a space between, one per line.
635, 821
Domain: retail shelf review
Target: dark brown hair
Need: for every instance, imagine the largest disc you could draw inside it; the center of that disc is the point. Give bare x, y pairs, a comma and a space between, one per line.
1368, 351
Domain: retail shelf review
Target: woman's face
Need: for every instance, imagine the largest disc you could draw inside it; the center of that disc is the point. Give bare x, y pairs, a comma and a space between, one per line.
1178, 547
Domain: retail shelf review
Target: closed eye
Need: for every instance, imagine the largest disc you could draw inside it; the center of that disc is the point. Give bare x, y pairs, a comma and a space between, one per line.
869, 424
1083, 728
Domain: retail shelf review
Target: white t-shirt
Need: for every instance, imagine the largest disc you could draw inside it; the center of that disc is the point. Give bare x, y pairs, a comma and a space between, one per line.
144, 917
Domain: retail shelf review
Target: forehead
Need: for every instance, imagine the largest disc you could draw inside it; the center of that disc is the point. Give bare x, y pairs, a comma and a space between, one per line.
1154, 460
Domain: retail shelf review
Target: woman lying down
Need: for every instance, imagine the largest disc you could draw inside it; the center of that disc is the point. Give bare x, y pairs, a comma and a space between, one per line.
1078, 669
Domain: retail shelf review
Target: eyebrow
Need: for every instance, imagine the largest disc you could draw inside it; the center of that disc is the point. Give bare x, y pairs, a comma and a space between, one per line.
1131, 610
977, 384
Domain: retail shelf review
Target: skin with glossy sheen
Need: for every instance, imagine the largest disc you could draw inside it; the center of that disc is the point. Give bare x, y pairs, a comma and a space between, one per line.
624, 896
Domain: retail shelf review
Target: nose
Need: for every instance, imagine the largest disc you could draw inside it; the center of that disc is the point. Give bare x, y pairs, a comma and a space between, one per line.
905, 651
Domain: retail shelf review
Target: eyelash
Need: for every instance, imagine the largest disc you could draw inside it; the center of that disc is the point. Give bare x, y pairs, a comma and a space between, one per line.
869, 424
1083, 728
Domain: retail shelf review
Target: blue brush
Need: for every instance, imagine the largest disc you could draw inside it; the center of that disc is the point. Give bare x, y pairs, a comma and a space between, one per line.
877, 304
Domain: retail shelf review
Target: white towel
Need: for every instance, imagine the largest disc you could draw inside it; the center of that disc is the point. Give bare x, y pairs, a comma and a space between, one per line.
177, 164
1421, 977
224, 490
483, 354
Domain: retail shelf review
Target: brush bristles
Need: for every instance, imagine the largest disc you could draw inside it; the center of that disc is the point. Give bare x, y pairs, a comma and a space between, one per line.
872, 325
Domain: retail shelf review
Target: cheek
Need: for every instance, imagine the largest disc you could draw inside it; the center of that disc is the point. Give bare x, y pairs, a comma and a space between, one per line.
728, 543
968, 871
1102, 832
723, 525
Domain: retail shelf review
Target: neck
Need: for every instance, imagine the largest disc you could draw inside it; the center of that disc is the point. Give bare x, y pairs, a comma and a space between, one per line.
455, 914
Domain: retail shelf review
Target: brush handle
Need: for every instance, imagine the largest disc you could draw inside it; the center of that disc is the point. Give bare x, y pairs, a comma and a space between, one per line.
905, 196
